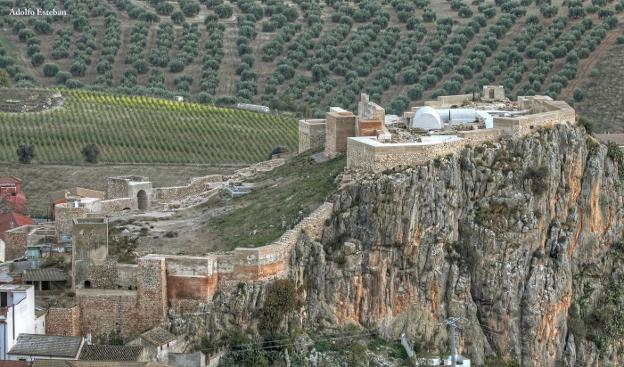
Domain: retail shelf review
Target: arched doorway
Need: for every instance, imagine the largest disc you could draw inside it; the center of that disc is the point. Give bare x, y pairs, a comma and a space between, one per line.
142, 199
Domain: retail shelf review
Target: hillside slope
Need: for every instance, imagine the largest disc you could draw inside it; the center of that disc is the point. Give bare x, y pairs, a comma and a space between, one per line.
307, 55
143, 130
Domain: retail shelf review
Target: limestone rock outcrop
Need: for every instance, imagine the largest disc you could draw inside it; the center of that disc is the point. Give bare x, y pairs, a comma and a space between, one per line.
521, 238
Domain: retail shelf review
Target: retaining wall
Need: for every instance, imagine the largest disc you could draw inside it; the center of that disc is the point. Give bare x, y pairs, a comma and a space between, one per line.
197, 186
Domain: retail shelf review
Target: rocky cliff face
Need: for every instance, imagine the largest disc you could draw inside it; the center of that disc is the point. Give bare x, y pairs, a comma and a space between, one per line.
522, 238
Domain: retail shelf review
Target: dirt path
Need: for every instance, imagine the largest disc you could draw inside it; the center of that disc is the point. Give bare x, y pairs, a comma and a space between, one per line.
587, 64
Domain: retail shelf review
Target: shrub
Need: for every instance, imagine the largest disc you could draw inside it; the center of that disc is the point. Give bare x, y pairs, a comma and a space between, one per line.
415, 92
25, 153
579, 95
50, 70
177, 17
62, 77
176, 66
280, 301
538, 178
37, 59
5, 79
586, 124
223, 11
91, 153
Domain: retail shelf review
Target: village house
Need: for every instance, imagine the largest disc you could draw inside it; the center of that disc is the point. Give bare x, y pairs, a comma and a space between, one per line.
17, 315
158, 342
29, 347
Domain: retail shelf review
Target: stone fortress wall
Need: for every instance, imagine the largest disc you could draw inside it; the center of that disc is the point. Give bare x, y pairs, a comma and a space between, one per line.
173, 283
311, 134
196, 186
366, 146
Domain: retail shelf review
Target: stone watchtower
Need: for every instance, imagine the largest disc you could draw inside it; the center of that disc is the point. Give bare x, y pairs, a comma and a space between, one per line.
339, 125
138, 187
90, 253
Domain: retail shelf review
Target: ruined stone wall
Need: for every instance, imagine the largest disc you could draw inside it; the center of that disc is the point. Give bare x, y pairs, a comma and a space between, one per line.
90, 264
311, 134
152, 292
379, 158
117, 205
88, 193
63, 321
126, 276
116, 188
103, 311
16, 241
103, 276
476, 137
64, 216
369, 127
523, 125
251, 264
197, 186
191, 277
448, 101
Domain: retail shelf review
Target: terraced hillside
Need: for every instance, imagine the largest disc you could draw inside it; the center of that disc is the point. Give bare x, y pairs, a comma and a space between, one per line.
144, 130
306, 55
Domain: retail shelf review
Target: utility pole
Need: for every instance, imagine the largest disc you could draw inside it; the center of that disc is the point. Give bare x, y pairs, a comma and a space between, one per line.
452, 322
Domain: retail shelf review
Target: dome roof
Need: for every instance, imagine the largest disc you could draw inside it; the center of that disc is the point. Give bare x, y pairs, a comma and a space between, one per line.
427, 118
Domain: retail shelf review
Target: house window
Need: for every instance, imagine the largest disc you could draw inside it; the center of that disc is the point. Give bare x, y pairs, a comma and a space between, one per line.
3, 299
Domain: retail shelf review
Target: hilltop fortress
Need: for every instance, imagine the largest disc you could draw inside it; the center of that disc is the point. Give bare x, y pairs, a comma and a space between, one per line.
373, 141
132, 298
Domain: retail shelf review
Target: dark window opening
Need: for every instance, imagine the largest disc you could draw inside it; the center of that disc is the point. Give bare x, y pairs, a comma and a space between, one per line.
87, 284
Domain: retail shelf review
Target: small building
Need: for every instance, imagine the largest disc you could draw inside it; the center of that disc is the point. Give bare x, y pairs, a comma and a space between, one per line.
45, 279
118, 353
9, 221
30, 347
158, 342
17, 314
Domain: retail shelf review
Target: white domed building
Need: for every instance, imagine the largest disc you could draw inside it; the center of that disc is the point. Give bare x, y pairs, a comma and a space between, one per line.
426, 118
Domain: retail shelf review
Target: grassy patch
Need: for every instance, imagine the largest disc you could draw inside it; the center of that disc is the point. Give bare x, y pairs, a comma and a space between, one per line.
280, 200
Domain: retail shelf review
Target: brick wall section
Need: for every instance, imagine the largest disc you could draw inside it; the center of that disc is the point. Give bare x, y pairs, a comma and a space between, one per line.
63, 321
311, 134
16, 241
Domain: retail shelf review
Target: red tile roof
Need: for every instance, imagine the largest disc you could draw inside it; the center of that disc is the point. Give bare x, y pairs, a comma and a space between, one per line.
12, 220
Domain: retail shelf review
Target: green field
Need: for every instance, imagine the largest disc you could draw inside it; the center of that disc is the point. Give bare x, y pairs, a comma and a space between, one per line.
144, 130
